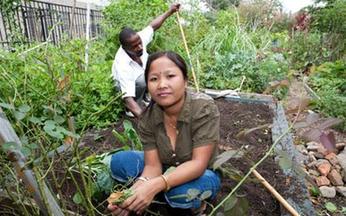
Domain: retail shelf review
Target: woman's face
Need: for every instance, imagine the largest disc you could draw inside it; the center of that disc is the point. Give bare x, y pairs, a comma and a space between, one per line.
166, 83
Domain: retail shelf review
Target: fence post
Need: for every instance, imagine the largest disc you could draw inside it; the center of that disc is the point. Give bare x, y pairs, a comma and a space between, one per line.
18, 160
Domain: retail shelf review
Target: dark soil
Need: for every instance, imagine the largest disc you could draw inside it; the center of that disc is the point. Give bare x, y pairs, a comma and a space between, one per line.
235, 117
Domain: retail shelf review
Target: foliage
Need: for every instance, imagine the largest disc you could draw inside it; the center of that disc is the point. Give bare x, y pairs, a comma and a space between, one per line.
305, 48
129, 136
329, 20
133, 14
223, 4
329, 82
259, 13
52, 82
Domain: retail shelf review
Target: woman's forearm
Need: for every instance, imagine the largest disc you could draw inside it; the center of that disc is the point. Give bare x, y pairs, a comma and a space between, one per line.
186, 172
151, 171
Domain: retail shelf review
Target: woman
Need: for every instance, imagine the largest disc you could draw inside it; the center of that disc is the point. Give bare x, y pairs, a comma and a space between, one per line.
181, 129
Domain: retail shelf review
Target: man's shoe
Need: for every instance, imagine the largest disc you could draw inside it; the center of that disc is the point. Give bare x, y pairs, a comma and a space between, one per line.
129, 114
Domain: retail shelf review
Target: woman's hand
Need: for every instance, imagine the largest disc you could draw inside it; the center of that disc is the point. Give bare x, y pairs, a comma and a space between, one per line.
116, 210
141, 199
144, 193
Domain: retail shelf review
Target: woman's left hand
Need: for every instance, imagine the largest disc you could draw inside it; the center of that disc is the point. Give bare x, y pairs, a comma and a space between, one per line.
141, 199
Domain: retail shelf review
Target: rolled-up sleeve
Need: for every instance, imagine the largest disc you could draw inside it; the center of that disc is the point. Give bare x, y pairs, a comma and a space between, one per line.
146, 135
206, 125
146, 35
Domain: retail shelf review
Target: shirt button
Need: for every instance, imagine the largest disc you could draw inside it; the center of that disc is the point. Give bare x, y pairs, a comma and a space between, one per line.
177, 163
173, 155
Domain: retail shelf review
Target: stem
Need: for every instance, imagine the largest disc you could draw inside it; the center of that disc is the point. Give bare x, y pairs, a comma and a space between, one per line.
250, 171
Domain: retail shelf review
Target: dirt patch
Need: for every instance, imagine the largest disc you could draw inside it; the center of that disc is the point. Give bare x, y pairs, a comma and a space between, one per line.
235, 117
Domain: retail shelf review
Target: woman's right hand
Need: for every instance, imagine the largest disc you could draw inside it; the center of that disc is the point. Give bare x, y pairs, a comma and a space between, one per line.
116, 210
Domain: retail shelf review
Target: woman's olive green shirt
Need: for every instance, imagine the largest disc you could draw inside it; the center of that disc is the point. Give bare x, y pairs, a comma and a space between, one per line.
198, 124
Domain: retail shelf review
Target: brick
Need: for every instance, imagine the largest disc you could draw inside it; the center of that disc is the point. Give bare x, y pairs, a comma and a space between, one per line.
324, 168
331, 157
335, 178
322, 181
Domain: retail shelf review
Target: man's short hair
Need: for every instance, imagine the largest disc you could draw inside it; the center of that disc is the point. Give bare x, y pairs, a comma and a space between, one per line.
125, 34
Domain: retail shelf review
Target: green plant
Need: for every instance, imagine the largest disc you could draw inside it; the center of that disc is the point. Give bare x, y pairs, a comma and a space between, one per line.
329, 82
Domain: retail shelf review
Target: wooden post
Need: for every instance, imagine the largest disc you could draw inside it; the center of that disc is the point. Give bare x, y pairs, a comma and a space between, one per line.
18, 160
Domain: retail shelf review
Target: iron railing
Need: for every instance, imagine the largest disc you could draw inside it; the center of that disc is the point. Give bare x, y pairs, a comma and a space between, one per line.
34, 21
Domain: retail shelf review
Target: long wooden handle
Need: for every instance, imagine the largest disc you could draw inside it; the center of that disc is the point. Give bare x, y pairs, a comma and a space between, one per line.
187, 51
272, 190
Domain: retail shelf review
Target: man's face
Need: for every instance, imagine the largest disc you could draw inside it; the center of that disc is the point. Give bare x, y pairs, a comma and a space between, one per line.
134, 46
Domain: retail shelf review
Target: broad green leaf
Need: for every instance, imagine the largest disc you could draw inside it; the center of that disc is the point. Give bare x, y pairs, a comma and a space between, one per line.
77, 198
19, 115
24, 140
105, 181
35, 120
230, 203
284, 160
59, 119
206, 195
33, 146
26, 151
331, 207
9, 146
343, 210
24, 108
7, 106
241, 207
49, 125
127, 125
192, 193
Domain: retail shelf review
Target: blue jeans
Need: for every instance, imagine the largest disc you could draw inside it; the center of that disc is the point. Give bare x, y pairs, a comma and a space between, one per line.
128, 165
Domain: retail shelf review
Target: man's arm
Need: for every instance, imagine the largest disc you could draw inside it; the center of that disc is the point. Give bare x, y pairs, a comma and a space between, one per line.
132, 105
157, 22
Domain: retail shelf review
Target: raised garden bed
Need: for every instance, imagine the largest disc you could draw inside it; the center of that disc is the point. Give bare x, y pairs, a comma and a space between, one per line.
238, 114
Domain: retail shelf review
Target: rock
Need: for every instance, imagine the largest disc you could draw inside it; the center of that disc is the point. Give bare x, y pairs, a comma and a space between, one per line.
328, 192
331, 157
312, 164
342, 159
323, 151
318, 155
324, 168
341, 190
321, 161
302, 149
311, 157
343, 174
335, 178
322, 181
314, 173
340, 146
313, 146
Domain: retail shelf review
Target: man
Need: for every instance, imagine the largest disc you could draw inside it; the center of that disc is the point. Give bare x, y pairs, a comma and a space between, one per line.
130, 60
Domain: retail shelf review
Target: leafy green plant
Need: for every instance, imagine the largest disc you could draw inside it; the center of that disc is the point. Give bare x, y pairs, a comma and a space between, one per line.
329, 82
129, 136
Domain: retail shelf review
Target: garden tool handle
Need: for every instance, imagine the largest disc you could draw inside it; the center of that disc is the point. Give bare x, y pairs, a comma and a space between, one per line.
187, 51
272, 190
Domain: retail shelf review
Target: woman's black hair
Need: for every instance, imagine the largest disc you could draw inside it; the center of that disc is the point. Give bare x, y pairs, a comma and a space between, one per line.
174, 57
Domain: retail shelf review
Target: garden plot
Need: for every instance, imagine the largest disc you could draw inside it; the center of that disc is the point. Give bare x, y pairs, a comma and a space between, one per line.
239, 116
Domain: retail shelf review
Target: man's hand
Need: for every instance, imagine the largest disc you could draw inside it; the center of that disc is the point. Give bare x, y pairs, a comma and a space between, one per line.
157, 22
174, 8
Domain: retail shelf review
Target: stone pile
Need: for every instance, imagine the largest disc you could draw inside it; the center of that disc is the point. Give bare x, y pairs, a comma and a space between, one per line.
326, 167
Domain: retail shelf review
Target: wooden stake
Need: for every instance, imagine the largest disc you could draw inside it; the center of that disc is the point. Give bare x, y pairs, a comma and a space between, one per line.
187, 51
272, 190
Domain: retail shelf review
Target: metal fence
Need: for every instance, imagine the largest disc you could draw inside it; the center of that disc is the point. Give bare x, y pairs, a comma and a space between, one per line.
35, 21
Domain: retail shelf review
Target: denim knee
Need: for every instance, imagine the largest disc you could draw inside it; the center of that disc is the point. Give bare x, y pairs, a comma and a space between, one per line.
190, 194
126, 165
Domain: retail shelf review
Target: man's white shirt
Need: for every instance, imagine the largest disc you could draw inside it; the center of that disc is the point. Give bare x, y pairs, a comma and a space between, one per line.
125, 71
